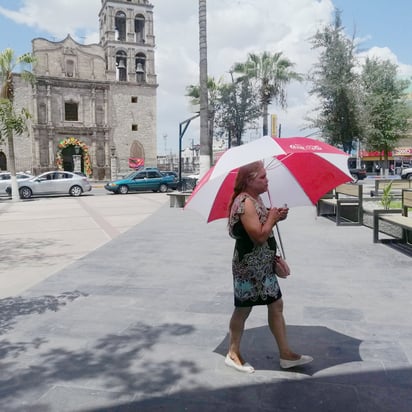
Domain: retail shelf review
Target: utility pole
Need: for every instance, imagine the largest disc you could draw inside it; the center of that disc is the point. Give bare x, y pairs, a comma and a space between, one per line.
205, 146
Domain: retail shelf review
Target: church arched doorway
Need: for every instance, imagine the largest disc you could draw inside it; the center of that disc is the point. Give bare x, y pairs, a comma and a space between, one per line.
3, 160
68, 149
68, 154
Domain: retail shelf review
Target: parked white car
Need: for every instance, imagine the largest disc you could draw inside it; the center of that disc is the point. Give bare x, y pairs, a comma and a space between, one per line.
406, 173
53, 183
5, 179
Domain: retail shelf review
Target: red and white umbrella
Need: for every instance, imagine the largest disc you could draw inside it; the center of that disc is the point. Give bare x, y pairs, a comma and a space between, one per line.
300, 172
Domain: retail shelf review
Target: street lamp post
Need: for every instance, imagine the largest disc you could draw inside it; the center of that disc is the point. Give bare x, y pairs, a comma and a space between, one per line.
182, 130
77, 159
113, 163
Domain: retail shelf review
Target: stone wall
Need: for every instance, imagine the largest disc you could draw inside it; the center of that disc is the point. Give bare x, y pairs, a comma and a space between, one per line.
23, 144
126, 115
111, 114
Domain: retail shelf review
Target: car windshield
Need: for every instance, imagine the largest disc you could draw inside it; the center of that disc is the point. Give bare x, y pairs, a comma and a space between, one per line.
130, 175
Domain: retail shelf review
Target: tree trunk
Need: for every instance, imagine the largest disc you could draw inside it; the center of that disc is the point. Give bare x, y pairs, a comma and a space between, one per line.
265, 116
12, 165
205, 144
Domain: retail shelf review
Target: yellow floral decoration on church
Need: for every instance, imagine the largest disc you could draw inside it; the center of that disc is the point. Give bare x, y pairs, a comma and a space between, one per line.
72, 141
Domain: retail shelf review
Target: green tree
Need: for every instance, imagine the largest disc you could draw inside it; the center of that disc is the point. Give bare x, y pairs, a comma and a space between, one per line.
335, 84
271, 74
231, 107
385, 112
238, 107
193, 91
11, 122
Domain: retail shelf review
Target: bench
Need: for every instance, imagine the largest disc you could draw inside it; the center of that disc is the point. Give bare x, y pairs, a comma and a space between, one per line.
397, 217
178, 199
397, 186
343, 196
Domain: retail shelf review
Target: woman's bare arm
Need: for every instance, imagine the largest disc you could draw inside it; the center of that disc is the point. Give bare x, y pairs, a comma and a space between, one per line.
257, 232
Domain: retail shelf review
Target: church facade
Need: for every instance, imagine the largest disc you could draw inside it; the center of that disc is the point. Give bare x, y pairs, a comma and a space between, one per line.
96, 100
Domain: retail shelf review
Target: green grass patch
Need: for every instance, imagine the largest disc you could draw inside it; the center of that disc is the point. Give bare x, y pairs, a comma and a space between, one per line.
395, 204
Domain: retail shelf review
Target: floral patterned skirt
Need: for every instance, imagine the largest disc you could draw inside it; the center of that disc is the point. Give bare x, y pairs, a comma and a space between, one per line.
254, 281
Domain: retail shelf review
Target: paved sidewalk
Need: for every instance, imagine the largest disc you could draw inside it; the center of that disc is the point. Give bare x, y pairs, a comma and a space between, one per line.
41, 236
140, 324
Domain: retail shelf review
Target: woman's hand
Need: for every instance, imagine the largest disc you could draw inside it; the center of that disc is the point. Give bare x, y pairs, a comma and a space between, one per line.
283, 212
276, 214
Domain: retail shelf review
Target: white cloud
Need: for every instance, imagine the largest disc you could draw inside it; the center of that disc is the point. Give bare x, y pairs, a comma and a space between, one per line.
384, 53
59, 17
235, 28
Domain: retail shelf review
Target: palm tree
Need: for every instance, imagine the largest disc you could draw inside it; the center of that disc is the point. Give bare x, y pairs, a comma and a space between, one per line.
272, 73
10, 121
205, 143
193, 92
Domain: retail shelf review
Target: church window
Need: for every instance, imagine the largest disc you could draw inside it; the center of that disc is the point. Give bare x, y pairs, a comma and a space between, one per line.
140, 67
134, 127
139, 23
120, 26
69, 68
134, 99
121, 66
71, 112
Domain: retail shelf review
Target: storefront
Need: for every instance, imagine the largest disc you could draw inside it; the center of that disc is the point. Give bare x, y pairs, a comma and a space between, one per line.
402, 158
399, 158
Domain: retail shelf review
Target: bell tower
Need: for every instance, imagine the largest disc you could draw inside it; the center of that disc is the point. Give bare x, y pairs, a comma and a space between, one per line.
126, 35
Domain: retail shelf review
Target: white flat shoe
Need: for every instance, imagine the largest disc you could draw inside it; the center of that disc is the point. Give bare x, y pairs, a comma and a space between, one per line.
303, 360
246, 367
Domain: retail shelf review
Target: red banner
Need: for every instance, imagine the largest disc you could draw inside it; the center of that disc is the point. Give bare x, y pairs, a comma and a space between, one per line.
136, 162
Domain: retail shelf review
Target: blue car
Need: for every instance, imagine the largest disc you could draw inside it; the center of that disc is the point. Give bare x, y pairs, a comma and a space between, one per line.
142, 180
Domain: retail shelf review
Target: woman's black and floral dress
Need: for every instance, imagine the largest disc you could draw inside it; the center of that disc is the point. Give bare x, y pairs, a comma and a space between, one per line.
254, 281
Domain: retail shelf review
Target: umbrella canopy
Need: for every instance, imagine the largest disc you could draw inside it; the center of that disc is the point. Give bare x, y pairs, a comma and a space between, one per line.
303, 171
242, 155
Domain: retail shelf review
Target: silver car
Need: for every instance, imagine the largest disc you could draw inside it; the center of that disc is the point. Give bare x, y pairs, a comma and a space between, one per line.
54, 183
5, 179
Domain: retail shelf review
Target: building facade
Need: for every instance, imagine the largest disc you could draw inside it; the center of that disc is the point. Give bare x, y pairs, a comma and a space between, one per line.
97, 101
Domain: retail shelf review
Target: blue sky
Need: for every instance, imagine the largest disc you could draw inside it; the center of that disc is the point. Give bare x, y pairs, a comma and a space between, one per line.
235, 28
381, 23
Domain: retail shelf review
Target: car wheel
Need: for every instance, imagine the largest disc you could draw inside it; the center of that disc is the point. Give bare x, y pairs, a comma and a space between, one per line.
25, 193
75, 191
123, 190
355, 178
408, 176
163, 188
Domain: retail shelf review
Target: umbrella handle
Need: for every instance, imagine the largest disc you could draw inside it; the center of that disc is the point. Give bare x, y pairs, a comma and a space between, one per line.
282, 250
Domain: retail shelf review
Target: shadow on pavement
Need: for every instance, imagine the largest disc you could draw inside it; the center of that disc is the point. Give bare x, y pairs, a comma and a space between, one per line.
361, 392
328, 347
119, 361
28, 250
13, 307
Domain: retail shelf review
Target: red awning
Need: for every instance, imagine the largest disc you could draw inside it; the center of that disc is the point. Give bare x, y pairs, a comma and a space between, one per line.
365, 153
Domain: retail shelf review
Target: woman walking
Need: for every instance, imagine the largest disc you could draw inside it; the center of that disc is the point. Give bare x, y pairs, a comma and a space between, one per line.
254, 280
